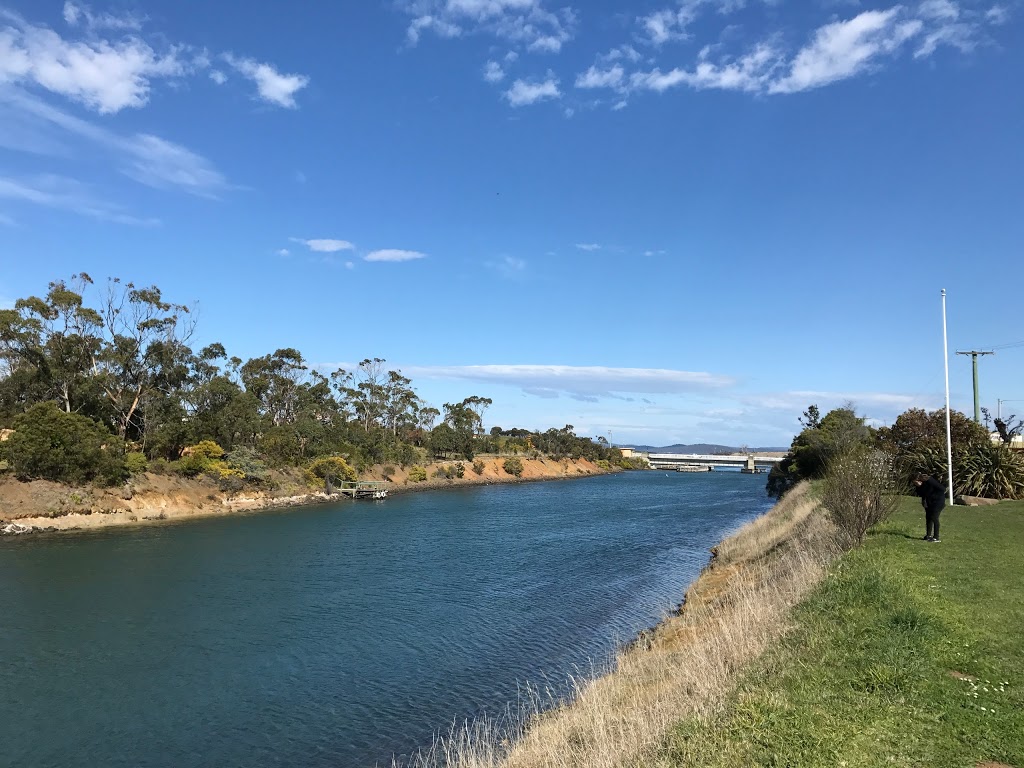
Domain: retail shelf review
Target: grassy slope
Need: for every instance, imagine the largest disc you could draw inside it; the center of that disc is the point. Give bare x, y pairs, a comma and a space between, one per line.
866, 676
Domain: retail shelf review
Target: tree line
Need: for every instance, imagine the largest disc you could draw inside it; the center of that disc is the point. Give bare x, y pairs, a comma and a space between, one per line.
916, 442
95, 392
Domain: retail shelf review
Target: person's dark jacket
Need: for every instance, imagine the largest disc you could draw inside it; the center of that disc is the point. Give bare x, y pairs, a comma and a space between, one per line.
932, 494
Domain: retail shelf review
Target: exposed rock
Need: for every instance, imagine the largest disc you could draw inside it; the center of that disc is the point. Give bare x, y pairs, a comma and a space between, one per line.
975, 501
14, 529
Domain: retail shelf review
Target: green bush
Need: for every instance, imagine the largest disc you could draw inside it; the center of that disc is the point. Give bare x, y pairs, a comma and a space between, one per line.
513, 466
417, 474
478, 467
135, 462
200, 458
389, 471
603, 464
49, 444
458, 469
445, 472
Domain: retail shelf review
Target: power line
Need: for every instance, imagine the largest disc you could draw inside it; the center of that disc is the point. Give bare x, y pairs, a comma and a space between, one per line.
1009, 346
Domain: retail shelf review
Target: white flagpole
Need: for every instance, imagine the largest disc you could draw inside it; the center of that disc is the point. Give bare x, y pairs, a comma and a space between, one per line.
949, 439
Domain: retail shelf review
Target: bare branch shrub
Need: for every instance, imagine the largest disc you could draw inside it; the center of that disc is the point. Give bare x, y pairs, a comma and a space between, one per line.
859, 491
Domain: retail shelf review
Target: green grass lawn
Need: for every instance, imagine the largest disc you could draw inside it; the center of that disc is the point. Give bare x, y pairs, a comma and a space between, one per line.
910, 654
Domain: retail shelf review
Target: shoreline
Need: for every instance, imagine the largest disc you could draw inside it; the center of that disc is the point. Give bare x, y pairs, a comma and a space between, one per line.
684, 666
155, 499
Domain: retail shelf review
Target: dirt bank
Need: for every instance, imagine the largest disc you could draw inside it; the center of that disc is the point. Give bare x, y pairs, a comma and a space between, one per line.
40, 506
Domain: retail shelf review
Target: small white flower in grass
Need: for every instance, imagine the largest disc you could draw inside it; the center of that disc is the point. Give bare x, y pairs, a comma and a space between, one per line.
984, 710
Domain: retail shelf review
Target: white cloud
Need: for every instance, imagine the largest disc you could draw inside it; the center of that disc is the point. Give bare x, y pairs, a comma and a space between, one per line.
525, 22
836, 51
588, 246
394, 255
592, 381
102, 75
325, 245
218, 77
523, 93
749, 73
845, 48
60, 192
493, 73
273, 86
283, 252
612, 77
350, 265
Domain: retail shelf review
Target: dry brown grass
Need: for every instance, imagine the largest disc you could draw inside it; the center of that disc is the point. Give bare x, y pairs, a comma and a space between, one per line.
684, 668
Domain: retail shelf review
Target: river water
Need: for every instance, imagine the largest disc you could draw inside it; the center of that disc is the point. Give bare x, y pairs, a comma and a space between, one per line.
337, 635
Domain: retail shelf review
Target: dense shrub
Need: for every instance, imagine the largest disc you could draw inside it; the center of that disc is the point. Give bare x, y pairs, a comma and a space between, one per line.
513, 466
984, 469
50, 444
417, 474
135, 462
388, 472
478, 467
458, 469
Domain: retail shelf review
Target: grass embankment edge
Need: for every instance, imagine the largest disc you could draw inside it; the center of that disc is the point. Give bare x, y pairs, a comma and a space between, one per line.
909, 654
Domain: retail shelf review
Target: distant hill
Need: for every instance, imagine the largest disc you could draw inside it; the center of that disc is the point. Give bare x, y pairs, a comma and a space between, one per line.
705, 448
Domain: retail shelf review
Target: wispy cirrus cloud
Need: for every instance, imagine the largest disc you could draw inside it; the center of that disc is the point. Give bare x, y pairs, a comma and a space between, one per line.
81, 14
147, 159
590, 247
585, 381
63, 193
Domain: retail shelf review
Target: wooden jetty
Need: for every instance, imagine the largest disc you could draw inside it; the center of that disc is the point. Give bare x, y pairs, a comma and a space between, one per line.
364, 489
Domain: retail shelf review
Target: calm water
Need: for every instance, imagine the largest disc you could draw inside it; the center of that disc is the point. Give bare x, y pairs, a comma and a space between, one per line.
336, 636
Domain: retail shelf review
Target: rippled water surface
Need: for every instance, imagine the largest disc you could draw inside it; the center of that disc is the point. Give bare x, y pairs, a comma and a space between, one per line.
336, 636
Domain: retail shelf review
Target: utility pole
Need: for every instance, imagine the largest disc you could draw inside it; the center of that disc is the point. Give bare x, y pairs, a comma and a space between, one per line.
974, 363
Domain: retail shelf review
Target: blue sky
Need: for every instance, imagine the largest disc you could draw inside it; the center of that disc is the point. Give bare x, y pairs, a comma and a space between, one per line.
675, 220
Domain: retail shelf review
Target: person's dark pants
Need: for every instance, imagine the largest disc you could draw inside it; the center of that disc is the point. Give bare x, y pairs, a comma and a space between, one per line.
931, 520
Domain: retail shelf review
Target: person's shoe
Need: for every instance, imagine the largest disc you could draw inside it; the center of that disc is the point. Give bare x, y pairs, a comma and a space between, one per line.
935, 541
927, 538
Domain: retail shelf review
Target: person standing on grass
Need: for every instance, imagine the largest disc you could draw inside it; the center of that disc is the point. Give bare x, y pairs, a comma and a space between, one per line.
933, 499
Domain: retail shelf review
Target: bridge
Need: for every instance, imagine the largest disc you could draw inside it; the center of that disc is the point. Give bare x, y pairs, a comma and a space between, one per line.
745, 462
